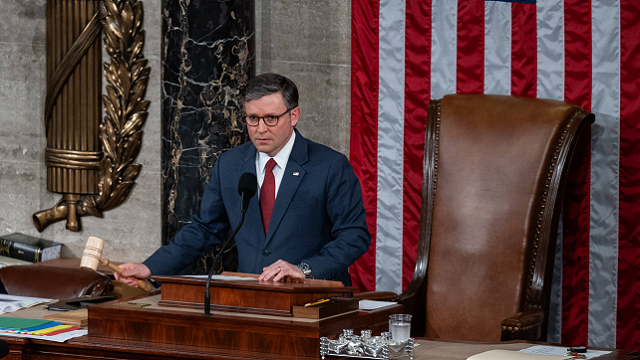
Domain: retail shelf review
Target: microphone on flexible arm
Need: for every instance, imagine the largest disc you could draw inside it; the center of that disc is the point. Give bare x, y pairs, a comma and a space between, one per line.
4, 349
247, 187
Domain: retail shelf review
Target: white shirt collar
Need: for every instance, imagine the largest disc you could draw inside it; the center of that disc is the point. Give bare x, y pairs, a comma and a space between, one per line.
281, 157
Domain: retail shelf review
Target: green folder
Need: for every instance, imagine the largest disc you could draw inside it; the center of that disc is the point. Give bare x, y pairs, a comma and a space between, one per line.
19, 323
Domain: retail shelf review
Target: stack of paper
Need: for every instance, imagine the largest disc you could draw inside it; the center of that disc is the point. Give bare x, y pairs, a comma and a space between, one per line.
7, 261
39, 329
10, 303
559, 350
538, 352
223, 277
374, 304
514, 355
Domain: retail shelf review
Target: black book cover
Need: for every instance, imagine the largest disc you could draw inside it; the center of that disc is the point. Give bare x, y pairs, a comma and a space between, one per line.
29, 248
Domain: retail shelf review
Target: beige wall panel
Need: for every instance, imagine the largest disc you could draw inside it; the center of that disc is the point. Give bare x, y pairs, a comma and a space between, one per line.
310, 42
21, 99
324, 100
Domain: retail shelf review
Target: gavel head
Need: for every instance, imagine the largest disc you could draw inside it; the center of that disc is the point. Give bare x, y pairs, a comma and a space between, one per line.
92, 254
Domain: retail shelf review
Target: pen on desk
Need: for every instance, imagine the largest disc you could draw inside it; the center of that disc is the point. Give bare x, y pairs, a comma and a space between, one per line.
317, 302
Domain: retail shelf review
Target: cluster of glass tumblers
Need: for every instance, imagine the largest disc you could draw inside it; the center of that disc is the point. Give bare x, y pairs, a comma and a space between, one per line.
366, 346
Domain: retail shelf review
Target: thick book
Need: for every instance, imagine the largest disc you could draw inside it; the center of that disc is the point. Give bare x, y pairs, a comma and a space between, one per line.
29, 248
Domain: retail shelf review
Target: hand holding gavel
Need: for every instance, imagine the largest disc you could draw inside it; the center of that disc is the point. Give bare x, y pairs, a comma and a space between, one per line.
92, 256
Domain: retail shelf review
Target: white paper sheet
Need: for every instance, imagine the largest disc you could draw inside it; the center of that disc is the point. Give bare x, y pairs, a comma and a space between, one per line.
560, 350
56, 338
222, 277
9, 303
514, 355
374, 304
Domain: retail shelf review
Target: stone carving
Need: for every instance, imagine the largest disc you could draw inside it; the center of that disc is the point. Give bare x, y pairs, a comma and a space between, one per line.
106, 177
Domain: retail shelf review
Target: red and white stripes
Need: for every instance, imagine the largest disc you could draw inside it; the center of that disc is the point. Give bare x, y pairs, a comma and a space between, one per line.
583, 51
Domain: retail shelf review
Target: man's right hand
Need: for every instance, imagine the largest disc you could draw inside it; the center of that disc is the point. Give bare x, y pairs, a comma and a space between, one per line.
131, 271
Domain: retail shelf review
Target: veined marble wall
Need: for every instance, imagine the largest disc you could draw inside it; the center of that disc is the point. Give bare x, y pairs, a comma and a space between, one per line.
306, 40
207, 59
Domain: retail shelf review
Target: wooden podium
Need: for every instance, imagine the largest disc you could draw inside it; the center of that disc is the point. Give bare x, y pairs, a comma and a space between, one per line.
247, 315
247, 294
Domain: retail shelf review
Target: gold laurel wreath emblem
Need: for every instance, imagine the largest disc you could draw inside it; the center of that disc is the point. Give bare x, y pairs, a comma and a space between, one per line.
127, 76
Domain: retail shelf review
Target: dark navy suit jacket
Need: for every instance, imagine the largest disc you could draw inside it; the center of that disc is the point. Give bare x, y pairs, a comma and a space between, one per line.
318, 216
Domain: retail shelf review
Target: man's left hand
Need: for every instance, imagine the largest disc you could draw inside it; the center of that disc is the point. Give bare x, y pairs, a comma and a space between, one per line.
279, 270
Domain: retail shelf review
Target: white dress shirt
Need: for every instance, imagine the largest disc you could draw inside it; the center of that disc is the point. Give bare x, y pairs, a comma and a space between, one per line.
281, 159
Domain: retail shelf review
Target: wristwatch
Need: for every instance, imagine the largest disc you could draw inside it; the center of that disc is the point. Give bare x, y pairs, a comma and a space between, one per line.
306, 270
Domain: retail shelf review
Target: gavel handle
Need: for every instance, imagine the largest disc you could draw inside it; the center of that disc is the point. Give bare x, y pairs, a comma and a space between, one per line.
144, 285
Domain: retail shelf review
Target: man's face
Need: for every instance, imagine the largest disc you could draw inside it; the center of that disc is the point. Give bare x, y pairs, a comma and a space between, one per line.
270, 139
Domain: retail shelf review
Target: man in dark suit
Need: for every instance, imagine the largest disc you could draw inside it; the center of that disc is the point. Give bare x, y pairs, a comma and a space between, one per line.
309, 220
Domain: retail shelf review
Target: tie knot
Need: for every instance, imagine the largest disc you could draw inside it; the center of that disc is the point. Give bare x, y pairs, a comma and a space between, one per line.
270, 165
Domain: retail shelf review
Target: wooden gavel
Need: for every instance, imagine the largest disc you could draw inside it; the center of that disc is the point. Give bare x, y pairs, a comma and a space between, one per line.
92, 256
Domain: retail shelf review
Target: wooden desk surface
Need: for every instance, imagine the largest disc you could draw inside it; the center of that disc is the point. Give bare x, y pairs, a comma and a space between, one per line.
91, 348
88, 347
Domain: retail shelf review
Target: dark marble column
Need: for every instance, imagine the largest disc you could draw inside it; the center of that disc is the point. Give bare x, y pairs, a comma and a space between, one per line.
207, 57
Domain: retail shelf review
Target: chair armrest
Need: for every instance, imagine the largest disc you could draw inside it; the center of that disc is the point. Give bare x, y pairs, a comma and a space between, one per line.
526, 325
377, 295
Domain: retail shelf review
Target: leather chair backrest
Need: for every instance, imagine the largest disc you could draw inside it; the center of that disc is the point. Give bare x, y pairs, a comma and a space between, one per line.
53, 282
494, 167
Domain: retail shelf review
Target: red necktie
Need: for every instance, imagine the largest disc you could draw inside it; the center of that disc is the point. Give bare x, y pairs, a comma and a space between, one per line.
268, 194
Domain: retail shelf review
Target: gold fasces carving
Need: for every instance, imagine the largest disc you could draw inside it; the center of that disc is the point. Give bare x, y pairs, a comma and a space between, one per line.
127, 76
72, 159
70, 61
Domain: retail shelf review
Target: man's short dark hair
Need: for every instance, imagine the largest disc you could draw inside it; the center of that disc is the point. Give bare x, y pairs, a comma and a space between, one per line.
267, 84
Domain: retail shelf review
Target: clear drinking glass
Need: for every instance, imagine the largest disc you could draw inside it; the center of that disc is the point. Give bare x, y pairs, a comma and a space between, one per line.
400, 327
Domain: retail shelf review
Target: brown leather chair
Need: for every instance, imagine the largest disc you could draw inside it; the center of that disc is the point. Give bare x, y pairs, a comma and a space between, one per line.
54, 282
494, 169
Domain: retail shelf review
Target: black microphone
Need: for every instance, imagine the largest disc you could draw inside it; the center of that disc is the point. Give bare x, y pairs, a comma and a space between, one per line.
247, 187
4, 349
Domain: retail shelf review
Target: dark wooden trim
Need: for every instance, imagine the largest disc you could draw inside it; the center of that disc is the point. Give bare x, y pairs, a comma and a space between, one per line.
429, 178
228, 308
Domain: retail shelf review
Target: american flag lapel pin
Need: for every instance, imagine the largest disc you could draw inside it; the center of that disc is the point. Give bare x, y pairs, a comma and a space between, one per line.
296, 173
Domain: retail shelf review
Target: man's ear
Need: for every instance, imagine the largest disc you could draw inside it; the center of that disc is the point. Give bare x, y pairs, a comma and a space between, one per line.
295, 115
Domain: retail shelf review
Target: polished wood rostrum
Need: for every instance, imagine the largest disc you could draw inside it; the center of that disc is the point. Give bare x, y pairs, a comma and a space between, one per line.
250, 319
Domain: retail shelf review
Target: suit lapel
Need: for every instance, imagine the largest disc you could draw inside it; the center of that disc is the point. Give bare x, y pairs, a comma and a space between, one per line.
253, 216
291, 178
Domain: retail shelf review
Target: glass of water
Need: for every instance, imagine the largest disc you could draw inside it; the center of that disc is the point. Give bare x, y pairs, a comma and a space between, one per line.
400, 327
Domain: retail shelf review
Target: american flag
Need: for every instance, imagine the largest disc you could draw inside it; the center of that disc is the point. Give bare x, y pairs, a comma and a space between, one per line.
405, 52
